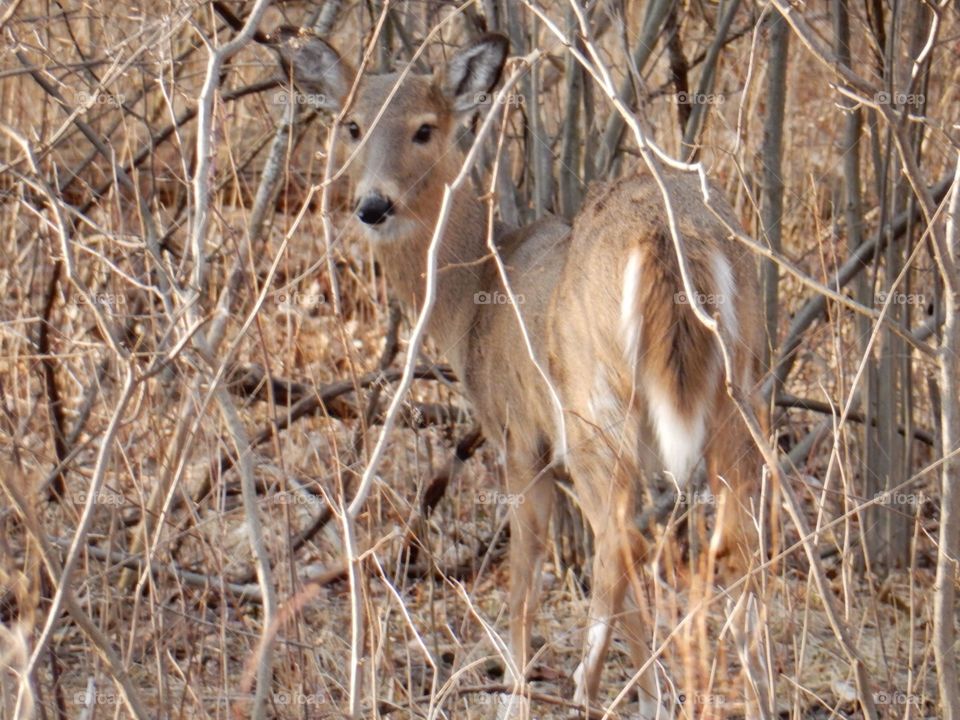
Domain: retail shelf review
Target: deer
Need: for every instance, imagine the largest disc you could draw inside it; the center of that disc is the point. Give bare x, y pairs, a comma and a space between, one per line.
639, 379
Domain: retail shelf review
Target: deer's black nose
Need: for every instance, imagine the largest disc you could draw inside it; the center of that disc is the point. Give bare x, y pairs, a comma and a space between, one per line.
374, 209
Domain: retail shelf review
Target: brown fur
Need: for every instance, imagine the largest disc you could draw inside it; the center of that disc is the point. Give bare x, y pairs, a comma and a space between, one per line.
572, 283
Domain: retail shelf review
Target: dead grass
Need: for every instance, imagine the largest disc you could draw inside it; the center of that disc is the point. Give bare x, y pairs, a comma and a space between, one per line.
189, 646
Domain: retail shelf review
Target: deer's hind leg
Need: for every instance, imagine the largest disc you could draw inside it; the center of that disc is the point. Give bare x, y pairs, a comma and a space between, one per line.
607, 483
638, 638
734, 468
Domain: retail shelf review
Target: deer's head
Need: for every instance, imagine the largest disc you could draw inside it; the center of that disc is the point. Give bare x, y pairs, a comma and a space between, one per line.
404, 136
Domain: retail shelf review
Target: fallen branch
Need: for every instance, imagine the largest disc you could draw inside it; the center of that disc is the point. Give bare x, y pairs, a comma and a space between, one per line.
792, 401
324, 401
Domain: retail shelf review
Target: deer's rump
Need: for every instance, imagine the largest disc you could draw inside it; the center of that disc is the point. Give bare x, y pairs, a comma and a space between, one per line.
623, 320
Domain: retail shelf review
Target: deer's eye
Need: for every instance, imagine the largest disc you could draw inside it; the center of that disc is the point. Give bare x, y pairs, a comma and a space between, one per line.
423, 133
353, 129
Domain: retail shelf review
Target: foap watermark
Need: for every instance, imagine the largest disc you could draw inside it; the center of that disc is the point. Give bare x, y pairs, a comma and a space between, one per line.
497, 700
702, 699
696, 497
96, 697
103, 497
496, 298
898, 498
705, 299
295, 97
698, 98
900, 298
296, 697
297, 499
485, 497
899, 98
103, 299
486, 98
895, 698
89, 99
283, 298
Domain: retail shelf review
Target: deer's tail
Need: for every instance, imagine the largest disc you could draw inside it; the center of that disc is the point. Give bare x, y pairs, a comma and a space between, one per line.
676, 358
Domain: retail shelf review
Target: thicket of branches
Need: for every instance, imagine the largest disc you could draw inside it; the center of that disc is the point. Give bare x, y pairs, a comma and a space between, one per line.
197, 357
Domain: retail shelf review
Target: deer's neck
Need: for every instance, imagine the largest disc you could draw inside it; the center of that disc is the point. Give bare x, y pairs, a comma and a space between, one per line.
462, 272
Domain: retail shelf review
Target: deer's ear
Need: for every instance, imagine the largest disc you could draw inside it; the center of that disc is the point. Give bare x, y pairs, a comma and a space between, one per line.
474, 70
318, 70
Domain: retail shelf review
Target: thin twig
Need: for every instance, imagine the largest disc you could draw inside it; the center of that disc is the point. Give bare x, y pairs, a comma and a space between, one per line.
198, 240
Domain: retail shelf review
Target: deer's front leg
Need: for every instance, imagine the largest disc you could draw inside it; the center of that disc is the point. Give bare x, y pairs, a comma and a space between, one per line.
530, 498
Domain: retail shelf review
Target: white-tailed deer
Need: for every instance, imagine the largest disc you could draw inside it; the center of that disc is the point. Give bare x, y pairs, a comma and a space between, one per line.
640, 380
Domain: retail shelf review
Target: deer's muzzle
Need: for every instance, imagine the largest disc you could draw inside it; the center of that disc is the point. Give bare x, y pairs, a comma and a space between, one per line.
374, 209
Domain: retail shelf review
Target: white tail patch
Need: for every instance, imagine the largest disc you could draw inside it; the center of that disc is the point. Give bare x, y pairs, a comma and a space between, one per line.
680, 439
631, 319
725, 294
